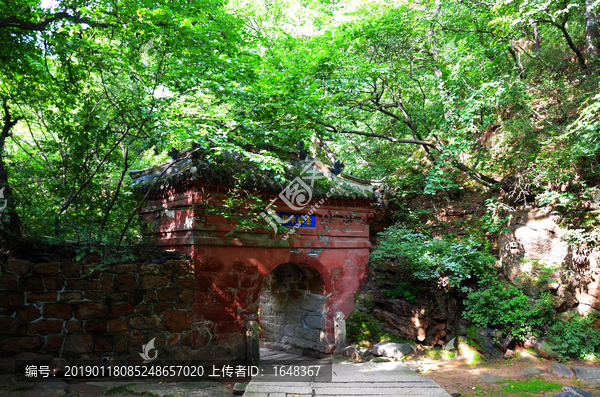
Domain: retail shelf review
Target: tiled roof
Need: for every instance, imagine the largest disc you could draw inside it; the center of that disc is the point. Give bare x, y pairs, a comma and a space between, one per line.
235, 170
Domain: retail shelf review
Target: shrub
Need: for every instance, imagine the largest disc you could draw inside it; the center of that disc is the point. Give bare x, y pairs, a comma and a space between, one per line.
449, 263
503, 306
576, 338
364, 329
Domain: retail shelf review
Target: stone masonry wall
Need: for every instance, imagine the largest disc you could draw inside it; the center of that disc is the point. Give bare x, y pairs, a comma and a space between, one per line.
63, 310
293, 309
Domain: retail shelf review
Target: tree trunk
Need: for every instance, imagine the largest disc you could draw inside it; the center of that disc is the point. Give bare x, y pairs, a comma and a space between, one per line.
10, 224
536, 37
591, 30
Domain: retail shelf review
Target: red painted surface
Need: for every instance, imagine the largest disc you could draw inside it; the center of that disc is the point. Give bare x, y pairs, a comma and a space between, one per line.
230, 269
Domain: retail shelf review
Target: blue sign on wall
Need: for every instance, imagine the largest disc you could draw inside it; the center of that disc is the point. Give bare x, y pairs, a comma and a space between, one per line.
297, 220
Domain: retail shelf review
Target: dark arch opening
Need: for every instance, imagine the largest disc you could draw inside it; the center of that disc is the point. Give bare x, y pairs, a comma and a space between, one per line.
293, 310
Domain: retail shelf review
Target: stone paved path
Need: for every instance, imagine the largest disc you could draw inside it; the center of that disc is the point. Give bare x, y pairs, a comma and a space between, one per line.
349, 379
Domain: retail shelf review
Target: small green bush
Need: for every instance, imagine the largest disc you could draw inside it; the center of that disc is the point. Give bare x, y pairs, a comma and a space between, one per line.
403, 290
504, 306
364, 329
576, 338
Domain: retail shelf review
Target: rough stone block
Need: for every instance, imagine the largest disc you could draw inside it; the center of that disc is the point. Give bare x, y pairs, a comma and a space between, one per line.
577, 392
93, 296
125, 282
18, 266
74, 326
315, 321
46, 268
54, 283
188, 282
161, 307
144, 310
127, 268
186, 296
167, 294
54, 343
95, 326
71, 296
560, 370
393, 350
103, 344
177, 321
82, 285
149, 282
35, 297
122, 309
78, 343
116, 326
174, 268
134, 297
115, 297
587, 374
9, 344
151, 269
106, 282
355, 352
71, 270
30, 342
46, 327
11, 299
89, 310
144, 322
8, 326
31, 283
28, 314
8, 281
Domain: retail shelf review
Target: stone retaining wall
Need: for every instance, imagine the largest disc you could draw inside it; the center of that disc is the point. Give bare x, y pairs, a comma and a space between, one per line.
66, 310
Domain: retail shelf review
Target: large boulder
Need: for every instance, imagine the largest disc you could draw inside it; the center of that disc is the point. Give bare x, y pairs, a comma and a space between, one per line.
534, 256
393, 350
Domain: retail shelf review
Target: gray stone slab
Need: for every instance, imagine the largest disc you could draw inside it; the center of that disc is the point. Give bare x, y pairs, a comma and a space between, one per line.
271, 387
576, 391
562, 371
533, 370
393, 350
493, 379
587, 374
355, 380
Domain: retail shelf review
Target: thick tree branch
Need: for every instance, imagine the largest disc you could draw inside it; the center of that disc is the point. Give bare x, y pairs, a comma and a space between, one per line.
336, 130
12, 21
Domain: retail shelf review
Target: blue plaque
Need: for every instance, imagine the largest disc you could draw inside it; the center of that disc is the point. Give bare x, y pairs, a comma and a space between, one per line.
296, 220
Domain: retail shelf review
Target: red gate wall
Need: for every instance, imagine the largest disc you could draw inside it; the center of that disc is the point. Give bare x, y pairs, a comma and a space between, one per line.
230, 269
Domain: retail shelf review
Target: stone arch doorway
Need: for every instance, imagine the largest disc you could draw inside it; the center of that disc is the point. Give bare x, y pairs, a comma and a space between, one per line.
293, 310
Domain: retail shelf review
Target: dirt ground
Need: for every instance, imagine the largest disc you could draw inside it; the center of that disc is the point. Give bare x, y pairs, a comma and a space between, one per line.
458, 375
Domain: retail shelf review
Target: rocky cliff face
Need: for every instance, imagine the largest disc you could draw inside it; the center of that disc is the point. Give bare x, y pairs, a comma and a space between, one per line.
534, 256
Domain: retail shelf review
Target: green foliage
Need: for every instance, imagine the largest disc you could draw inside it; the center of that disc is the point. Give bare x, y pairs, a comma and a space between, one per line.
492, 220
364, 329
449, 264
577, 337
503, 306
405, 290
